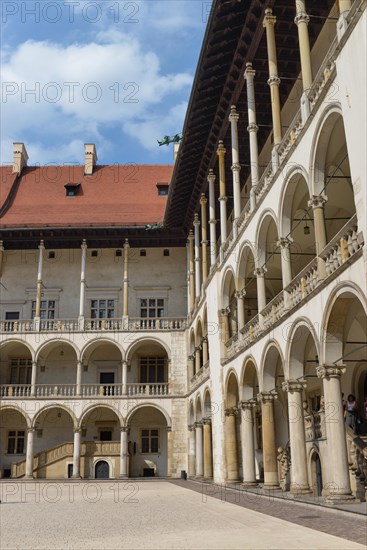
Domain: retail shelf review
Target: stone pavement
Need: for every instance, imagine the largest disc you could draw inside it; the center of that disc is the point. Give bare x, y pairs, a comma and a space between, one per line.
151, 515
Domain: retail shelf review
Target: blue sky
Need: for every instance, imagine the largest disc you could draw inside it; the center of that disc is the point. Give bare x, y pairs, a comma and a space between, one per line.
114, 73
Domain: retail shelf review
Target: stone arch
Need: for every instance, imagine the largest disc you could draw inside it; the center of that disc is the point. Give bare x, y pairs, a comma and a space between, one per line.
207, 400
198, 409
9, 407
54, 343
232, 389
268, 252
146, 340
297, 337
149, 404
55, 405
228, 300
272, 358
191, 411
97, 406
247, 280
10, 341
100, 341
249, 379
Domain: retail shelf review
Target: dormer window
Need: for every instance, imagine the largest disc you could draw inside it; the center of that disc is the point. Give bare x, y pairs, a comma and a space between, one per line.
72, 189
162, 189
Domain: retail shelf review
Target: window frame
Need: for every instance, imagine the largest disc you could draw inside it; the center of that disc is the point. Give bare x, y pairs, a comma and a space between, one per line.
159, 361
100, 308
150, 437
47, 309
152, 304
17, 437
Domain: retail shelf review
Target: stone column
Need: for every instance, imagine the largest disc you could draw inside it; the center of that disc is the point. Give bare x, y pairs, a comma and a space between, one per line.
342, 24
225, 324
204, 343
169, 452
126, 280
76, 454
274, 80
124, 377
78, 378
192, 451
236, 167
252, 130
221, 152
248, 442
191, 359
33, 378
231, 444
197, 359
1, 257
261, 291
240, 297
82, 284
208, 452
212, 220
29, 454
199, 449
37, 316
302, 20
204, 237
192, 269
285, 243
340, 490
188, 275
197, 258
269, 440
317, 202
124, 474
297, 437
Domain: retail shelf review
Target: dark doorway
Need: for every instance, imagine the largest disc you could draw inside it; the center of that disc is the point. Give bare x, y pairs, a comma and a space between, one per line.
148, 472
105, 435
70, 470
102, 470
107, 379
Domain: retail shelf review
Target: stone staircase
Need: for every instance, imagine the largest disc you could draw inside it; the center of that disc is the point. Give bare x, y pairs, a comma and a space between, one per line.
357, 459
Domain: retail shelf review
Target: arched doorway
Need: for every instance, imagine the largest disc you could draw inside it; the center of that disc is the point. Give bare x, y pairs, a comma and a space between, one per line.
232, 429
102, 470
13, 439
316, 474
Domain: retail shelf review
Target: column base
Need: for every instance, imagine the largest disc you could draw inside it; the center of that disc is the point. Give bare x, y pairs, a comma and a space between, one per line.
77, 476
123, 476
28, 477
340, 499
246, 484
271, 487
294, 491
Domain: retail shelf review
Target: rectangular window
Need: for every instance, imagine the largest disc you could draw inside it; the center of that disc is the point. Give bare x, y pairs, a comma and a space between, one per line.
152, 370
151, 308
103, 309
150, 441
16, 442
20, 371
47, 310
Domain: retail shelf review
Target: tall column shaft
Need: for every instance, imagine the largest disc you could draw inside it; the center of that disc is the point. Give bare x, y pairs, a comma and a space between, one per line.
199, 449
240, 297
124, 377
192, 451
33, 378
344, 5
302, 20
233, 118
124, 453
248, 442
208, 452
79, 378
318, 202
212, 220
205, 350
274, 80
29, 453
285, 243
1, 257
297, 437
76, 453
269, 440
338, 467
231, 445
169, 452
221, 152
192, 270
41, 249
252, 130
197, 359
82, 279
197, 257
204, 237
260, 283
126, 279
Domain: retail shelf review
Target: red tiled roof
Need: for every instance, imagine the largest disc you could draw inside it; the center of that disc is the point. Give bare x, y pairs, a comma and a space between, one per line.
123, 195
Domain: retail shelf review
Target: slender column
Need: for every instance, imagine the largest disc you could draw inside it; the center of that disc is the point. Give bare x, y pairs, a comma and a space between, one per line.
124, 452
340, 490
197, 257
1, 257
192, 270
260, 282
76, 454
188, 275
29, 454
299, 477
192, 451
169, 451
252, 130
41, 249
82, 283
318, 203
124, 377
199, 449
208, 451
33, 378
236, 167
274, 80
197, 359
269, 441
342, 24
225, 324
212, 220
221, 152
205, 350
192, 369
79, 378
231, 444
285, 243
126, 279
302, 20
240, 297
204, 237
248, 442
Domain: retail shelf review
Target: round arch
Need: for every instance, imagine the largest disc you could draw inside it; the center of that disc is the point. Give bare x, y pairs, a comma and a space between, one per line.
232, 389
19, 342
265, 219
269, 362
56, 342
55, 405
149, 404
249, 378
297, 337
97, 406
94, 344
198, 408
146, 341
16, 408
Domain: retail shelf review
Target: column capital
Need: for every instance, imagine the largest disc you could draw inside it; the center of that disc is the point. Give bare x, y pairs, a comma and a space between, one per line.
207, 421
211, 176
191, 235
302, 17
126, 243
41, 246
31, 430
249, 71
252, 127
191, 427
198, 424
285, 242
293, 385
234, 116
248, 405
267, 397
124, 428
84, 245
196, 221
274, 80
169, 429
225, 311
77, 430
224, 199
240, 294
317, 201
203, 199
269, 18
260, 271
221, 150
236, 167
330, 371
231, 411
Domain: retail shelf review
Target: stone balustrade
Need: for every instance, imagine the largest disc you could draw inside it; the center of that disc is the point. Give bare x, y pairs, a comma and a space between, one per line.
303, 284
148, 389
274, 310
343, 246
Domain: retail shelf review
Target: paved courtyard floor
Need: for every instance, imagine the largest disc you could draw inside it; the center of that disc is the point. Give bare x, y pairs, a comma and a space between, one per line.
157, 514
